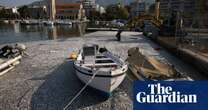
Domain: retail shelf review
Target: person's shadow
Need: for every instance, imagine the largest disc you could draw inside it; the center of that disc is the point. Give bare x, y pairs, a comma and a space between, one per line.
60, 87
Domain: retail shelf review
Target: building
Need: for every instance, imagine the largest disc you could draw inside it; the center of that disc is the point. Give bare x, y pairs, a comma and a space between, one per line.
38, 12
65, 9
166, 6
73, 11
89, 6
86, 7
12, 10
186, 7
138, 7
9, 13
100, 9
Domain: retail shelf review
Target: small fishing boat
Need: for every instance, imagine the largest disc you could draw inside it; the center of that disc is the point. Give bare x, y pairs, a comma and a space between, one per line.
48, 23
8, 64
149, 68
29, 22
105, 70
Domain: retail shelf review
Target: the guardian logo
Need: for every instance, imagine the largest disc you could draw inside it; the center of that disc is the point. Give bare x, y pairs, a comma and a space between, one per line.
164, 94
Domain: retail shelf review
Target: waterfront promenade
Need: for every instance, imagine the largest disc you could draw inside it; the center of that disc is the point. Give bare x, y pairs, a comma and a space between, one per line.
46, 80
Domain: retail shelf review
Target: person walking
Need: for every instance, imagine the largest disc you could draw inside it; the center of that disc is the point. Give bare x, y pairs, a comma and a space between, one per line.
118, 35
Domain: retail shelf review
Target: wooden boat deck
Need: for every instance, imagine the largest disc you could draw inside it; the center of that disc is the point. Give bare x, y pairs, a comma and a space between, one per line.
99, 60
101, 65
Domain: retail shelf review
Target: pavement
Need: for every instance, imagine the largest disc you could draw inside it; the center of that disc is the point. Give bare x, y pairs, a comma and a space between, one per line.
46, 80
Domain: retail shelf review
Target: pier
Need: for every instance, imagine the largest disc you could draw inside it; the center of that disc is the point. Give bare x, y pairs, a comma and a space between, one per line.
189, 54
46, 80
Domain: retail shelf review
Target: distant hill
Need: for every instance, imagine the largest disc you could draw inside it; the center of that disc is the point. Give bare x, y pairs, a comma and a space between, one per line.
44, 2
126, 2
100, 2
37, 3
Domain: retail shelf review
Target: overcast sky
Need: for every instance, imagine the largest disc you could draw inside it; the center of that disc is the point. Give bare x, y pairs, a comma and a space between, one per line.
12, 3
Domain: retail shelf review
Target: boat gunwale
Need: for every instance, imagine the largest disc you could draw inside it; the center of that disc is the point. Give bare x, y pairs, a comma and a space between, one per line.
100, 75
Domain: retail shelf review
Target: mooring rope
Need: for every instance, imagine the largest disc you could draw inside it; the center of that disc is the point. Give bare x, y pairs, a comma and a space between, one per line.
78, 94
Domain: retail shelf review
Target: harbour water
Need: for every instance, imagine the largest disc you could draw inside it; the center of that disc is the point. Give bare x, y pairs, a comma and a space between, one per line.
15, 32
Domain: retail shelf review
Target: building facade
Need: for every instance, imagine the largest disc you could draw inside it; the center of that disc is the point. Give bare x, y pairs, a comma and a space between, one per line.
11, 10
65, 9
186, 7
138, 8
100, 9
73, 11
166, 6
89, 6
37, 12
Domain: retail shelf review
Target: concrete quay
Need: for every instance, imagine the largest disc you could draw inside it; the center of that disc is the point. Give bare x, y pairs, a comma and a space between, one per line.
46, 80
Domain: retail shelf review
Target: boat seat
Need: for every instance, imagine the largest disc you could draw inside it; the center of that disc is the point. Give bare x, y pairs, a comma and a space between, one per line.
100, 65
90, 59
100, 56
98, 59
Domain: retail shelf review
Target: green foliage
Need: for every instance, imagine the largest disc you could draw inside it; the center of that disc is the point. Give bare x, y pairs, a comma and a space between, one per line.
123, 13
24, 12
95, 15
128, 8
7, 14
3, 13
116, 12
112, 12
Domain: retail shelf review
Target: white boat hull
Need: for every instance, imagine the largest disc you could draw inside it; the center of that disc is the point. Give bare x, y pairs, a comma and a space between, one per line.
105, 81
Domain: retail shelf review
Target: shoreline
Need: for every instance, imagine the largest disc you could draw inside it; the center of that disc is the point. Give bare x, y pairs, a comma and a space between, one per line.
46, 78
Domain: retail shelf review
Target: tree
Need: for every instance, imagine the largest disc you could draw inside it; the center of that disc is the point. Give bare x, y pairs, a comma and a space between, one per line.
123, 13
116, 12
95, 15
128, 8
3, 13
7, 14
111, 12
24, 12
